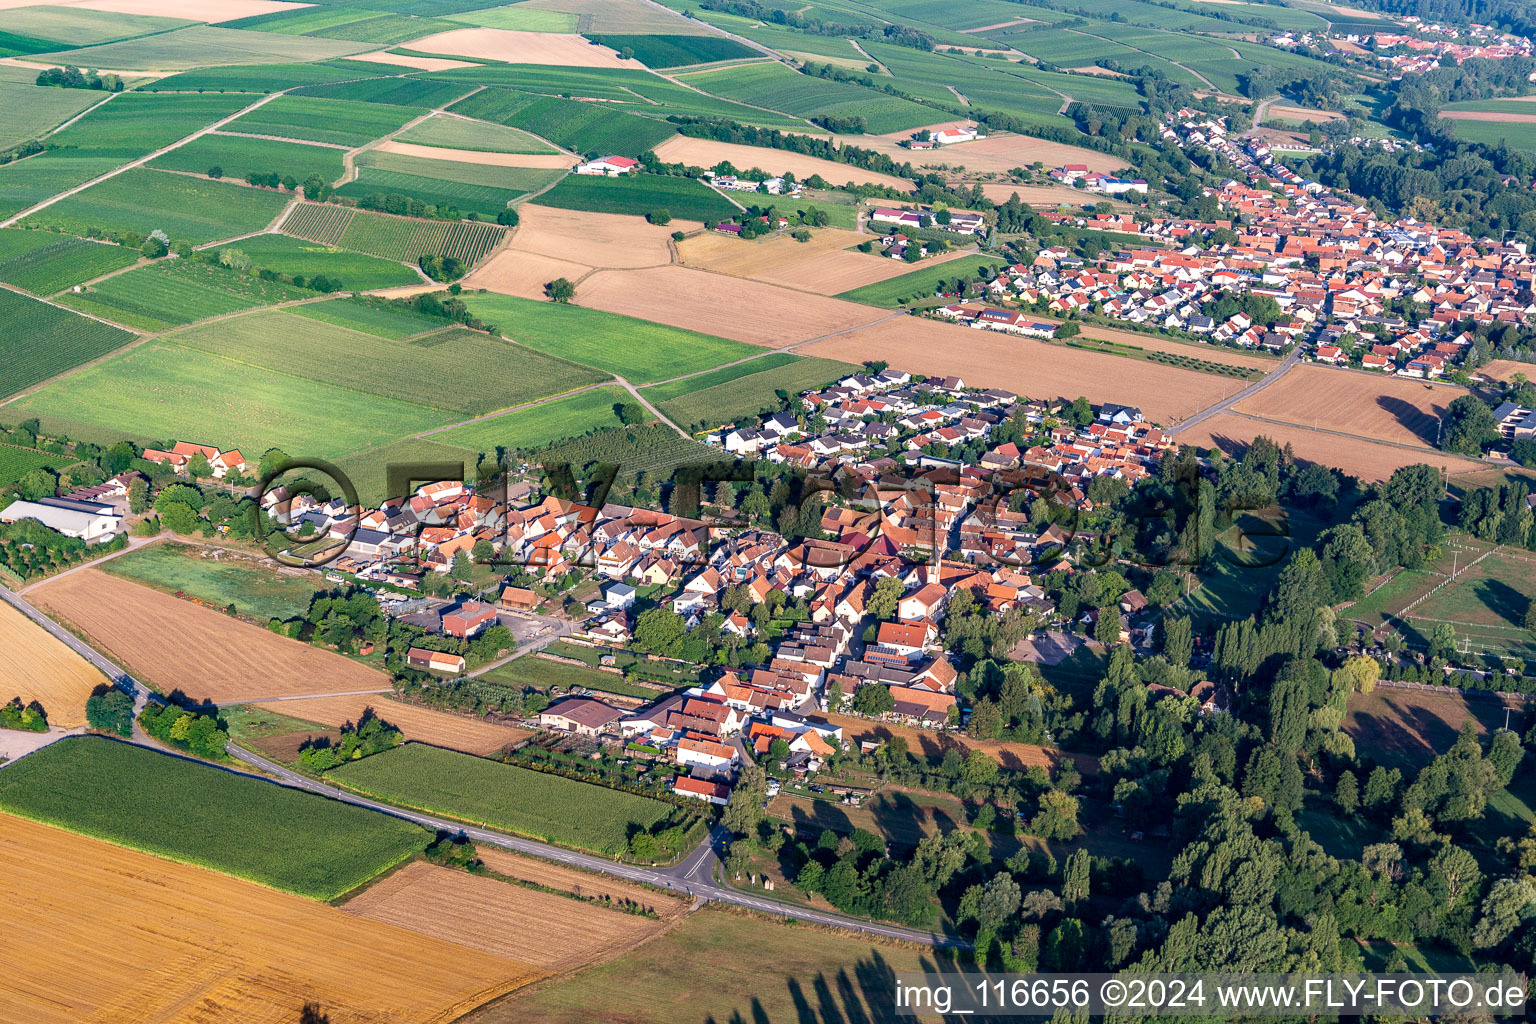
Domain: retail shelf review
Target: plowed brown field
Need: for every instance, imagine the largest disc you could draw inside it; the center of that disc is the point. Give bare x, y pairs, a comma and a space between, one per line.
727, 307
532, 869
707, 153
97, 934
176, 644
425, 725
1031, 368
550, 932
38, 667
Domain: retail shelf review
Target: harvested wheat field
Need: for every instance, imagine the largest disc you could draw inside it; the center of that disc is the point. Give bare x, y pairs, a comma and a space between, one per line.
1498, 116
994, 154
1289, 113
927, 743
604, 240
832, 273
175, 644
1366, 459
557, 48
727, 307
98, 934
553, 933
522, 273
1386, 408
557, 161
1032, 368
754, 257
557, 876
38, 667
1505, 369
424, 725
408, 61
707, 153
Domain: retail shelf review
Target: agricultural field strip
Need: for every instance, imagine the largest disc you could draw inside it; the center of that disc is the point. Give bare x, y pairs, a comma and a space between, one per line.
140, 162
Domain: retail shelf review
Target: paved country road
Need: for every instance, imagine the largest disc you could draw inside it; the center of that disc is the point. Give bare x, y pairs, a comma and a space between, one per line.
1291, 359
695, 876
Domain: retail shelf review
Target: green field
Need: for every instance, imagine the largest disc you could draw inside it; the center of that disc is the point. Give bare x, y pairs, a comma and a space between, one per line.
177, 568
75, 27
27, 182
41, 340
185, 811
687, 385
541, 425
1249, 558
170, 293
451, 132
637, 350
1520, 135
446, 194
454, 369
369, 317
187, 209
16, 463
1485, 606
657, 51
256, 78
544, 674
31, 110
202, 46
402, 239
520, 18
238, 157
295, 256
779, 88
399, 92
343, 122
369, 470
639, 194
134, 124
655, 450
919, 284
50, 263
745, 396
582, 127
163, 390
503, 796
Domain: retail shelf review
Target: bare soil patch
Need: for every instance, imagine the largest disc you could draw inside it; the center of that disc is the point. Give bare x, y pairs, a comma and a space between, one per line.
178, 645
708, 153
96, 932
604, 240
522, 273
926, 743
1032, 368
727, 307
558, 161
557, 48
1289, 113
424, 725
407, 61
556, 876
1366, 459
551, 932
1499, 116
38, 667
1385, 408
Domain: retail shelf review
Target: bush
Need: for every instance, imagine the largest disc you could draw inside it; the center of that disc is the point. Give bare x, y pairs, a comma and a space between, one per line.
23, 717
660, 215
110, 712
215, 172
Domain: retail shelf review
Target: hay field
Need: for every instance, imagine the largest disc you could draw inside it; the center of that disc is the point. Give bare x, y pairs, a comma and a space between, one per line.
994, 154
554, 48
1286, 112
708, 153
419, 63
38, 667
175, 644
556, 876
555, 161
523, 274
422, 724
603, 240
1032, 368
1386, 408
97, 933
727, 307
1369, 460
926, 743
553, 933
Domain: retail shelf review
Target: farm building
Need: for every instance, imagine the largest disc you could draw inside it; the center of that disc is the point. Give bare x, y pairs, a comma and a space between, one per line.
469, 619
434, 661
580, 715
82, 520
702, 789
608, 166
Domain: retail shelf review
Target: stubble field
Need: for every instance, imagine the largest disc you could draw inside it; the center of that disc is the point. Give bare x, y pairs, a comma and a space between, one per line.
556, 876
595, 239
475, 156
176, 644
523, 274
551, 932
708, 152
422, 724
995, 154
520, 47
1386, 408
38, 667
96, 932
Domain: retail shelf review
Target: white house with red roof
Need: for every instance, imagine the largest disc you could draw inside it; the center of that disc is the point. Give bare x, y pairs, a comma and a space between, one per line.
608, 166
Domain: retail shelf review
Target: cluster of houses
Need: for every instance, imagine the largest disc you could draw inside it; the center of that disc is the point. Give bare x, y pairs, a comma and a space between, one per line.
180, 455
774, 186
948, 136
1437, 45
1079, 176
960, 222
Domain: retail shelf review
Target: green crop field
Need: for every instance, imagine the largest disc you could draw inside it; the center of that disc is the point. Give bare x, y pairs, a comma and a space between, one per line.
133, 124
541, 425
779, 88
392, 238
28, 182
238, 157
189, 812
57, 263
503, 796
201, 46
918, 284
76, 27
520, 18
179, 568
637, 350
502, 178
42, 340
343, 122
656, 450
317, 222
174, 292
578, 126
257, 78
455, 369
16, 463
677, 51
400, 92
543, 674
745, 396
164, 390
461, 133
444, 194
187, 209
639, 194
31, 110
369, 470
1519, 135
370, 317
295, 256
